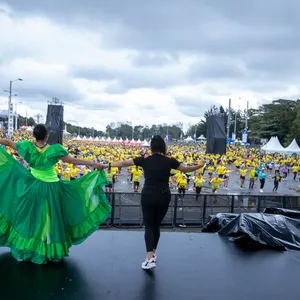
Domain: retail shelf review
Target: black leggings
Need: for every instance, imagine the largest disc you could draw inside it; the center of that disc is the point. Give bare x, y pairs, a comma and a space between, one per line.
155, 205
262, 183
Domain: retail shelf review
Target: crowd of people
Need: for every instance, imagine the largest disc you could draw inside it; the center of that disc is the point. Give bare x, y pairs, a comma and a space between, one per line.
253, 166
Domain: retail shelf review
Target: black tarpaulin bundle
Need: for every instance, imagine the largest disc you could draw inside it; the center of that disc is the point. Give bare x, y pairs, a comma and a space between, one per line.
260, 230
219, 221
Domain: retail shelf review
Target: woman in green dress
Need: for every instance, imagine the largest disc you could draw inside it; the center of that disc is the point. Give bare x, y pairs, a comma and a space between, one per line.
41, 217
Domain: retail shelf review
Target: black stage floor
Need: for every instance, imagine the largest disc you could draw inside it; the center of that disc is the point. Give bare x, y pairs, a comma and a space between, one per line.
191, 266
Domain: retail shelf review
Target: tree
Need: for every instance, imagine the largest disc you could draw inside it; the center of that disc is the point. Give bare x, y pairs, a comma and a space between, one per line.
274, 119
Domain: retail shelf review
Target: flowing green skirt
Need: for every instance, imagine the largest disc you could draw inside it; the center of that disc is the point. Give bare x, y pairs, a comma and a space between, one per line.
40, 221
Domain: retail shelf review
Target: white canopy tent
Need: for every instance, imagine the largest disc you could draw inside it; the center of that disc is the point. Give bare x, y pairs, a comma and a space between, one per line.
189, 139
145, 144
293, 147
274, 146
201, 138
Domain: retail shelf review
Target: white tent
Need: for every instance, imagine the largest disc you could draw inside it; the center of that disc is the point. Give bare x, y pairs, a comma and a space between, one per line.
189, 139
201, 138
273, 146
97, 139
293, 147
90, 139
145, 144
78, 138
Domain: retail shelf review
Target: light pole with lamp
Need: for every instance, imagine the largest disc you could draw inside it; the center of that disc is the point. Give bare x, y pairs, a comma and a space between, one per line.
10, 109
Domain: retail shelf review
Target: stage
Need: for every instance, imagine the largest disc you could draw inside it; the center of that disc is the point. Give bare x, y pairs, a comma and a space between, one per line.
190, 266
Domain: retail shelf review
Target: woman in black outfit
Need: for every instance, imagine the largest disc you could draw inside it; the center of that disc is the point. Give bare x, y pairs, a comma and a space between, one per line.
156, 195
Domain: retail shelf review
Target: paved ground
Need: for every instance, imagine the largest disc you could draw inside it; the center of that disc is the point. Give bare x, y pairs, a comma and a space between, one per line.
286, 187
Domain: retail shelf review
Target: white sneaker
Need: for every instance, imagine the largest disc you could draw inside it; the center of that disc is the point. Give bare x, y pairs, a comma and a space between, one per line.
261, 191
148, 264
154, 257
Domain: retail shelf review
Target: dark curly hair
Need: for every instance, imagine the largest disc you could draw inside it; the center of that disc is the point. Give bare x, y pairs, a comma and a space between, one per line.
158, 144
40, 132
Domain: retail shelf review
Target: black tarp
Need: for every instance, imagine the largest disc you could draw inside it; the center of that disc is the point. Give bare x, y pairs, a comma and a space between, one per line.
264, 231
282, 211
216, 135
54, 123
218, 221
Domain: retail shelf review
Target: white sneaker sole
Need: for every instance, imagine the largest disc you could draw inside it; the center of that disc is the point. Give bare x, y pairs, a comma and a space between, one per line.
149, 267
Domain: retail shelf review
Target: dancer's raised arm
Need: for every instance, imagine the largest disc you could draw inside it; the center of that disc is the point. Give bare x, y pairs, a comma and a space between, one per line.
80, 162
8, 143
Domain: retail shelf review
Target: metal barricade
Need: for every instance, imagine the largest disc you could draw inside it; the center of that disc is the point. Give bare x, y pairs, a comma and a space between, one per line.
190, 211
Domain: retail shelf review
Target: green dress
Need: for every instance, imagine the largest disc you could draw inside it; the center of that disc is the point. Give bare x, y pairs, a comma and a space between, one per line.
41, 217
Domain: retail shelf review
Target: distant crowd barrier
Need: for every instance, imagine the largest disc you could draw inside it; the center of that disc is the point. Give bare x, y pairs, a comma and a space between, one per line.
189, 212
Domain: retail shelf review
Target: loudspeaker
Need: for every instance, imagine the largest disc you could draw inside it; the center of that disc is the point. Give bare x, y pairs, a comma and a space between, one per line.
216, 135
54, 123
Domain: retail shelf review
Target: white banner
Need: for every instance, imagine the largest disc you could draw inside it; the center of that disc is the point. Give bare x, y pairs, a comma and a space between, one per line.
10, 121
233, 136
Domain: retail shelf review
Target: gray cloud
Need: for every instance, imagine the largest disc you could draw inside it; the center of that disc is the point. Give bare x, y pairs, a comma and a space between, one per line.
123, 80
171, 25
193, 107
250, 45
146, 59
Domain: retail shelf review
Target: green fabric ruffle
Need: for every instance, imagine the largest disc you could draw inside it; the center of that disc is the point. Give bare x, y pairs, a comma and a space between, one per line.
38, 251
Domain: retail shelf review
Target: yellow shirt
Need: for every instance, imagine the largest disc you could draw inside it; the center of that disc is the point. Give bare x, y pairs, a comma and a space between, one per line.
198, 181
66, 175
243, 172
216, 183
211, 169
182, 183
252, 173
221, 170
136, 175
178, 177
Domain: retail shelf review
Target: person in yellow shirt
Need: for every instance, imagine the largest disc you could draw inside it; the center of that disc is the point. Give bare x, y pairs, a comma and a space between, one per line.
243, 172
216, 184
136, 177
178, 177
198, 184
226, 178
221, 170
109, 176
210, 170
74, 173
252, 178
66, 175
182, 185
295, 169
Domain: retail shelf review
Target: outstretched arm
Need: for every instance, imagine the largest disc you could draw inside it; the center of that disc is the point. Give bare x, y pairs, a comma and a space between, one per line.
8, 143
121, 164
186, 169
75, 161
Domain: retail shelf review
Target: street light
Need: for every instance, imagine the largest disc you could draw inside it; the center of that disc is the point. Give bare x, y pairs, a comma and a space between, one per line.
10, 109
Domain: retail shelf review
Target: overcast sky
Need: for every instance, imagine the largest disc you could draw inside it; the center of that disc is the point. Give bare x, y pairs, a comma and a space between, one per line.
148, 61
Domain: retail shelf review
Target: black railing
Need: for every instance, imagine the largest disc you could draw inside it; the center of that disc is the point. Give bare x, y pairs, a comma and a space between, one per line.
191, 211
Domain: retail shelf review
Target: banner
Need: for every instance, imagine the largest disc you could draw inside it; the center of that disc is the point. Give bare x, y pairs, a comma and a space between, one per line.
10, 120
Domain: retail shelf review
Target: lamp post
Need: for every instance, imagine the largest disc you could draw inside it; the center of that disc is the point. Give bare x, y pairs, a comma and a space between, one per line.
10, 109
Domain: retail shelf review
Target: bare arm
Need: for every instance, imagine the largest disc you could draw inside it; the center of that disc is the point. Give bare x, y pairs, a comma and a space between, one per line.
8, 143
186, 169
121, 164
75, 161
